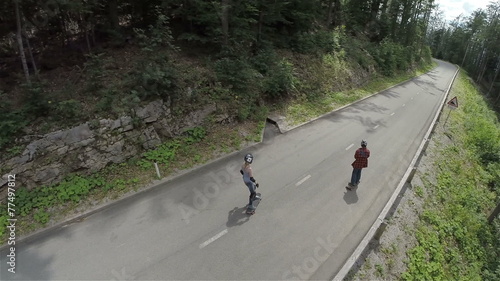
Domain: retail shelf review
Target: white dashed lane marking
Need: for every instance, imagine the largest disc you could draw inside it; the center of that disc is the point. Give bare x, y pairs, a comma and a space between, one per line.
217, 236
303, 180
349, 147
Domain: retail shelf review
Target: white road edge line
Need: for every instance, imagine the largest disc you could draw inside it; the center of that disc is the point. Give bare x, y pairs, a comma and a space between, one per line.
217, 236
349, 147
303, 180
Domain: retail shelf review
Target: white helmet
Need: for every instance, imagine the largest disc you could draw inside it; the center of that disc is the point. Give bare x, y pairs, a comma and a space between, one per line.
364, 143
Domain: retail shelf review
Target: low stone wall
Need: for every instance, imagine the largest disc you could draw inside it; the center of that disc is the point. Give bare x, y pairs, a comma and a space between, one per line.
91, 146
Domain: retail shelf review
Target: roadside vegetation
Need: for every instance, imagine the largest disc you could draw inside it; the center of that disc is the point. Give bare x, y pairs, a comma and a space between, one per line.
455, 240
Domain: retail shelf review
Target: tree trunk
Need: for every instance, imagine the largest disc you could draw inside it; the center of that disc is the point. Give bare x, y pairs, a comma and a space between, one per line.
225, 20
374, 9
494, 78
20, 42
30, 51
427, 17
466, 51
113, 15
260, 24
483, 67
494, 214
394, 14
83, 24
337, 13
498, 98
330, 13
404, 31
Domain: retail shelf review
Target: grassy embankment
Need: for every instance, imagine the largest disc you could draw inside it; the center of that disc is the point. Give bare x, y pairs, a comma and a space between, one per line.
455, 242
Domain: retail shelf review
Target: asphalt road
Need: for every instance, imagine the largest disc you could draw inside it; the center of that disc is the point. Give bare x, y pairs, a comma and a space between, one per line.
307, 225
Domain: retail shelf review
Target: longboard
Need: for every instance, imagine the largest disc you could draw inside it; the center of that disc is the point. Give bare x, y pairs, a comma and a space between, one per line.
251, 208
351, 187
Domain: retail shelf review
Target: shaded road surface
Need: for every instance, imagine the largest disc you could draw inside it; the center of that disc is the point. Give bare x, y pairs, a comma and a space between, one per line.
307, 225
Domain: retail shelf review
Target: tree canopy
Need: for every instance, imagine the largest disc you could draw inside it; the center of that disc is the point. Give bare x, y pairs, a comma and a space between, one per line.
473, 43
240, 40
82, 24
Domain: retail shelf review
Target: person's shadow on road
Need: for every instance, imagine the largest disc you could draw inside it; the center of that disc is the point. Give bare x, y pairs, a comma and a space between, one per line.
237, 216
350, 196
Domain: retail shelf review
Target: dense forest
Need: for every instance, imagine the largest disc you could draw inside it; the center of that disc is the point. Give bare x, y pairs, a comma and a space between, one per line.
64, 60
239, 40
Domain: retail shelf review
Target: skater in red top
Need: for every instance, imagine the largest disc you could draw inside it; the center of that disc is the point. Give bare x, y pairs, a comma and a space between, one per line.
361, 161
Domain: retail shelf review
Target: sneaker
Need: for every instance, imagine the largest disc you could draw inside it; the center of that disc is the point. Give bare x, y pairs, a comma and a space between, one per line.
348, 188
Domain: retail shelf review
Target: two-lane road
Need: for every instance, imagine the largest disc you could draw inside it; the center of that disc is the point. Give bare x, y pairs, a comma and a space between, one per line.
307, 225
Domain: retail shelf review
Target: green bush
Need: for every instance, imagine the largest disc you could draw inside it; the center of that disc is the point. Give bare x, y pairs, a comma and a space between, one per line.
73, 188
156, 75
163, 154
427, 54
42, 217
322, 41
304, 42
280, 81
491, 271
36, 100
244, 112
235, 72
357, 50
69, 109
157, 36
95, 72
3, 220
11, 123
264, 60
106, 101
195, 135
391, 57
483, 129
36, 103
156, 79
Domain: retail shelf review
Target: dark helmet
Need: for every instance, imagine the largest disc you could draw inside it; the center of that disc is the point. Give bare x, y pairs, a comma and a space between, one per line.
248, 158
364, 143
